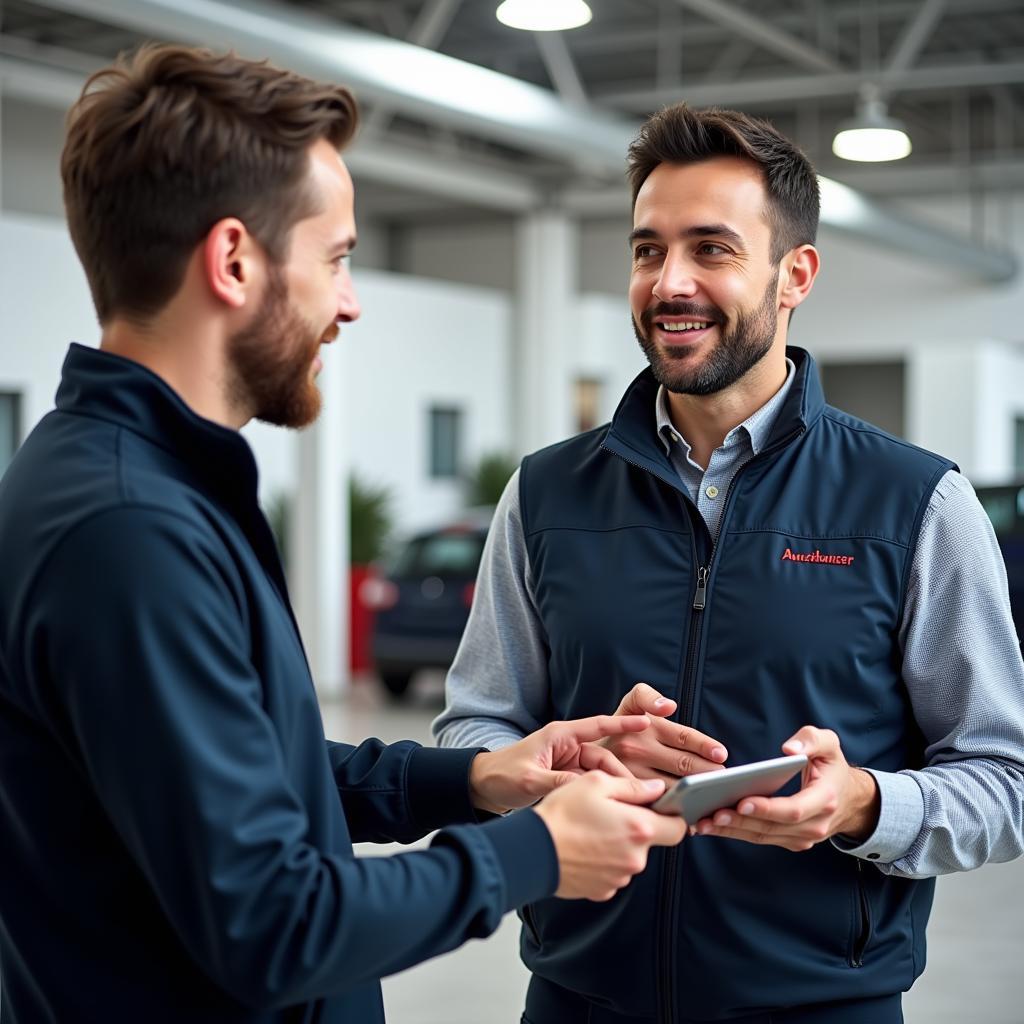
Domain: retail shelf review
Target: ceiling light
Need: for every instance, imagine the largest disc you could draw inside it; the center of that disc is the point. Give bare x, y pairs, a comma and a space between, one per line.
872, 136
543, 15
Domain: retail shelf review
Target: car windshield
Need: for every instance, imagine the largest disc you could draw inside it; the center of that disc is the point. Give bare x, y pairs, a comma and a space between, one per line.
440, 554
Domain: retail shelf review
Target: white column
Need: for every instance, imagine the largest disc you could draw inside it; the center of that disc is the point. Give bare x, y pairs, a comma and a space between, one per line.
319, 533
547, 265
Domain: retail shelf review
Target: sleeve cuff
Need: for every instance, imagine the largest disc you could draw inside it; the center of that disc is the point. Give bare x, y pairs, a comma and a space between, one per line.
900, 818
437, 786
526, 853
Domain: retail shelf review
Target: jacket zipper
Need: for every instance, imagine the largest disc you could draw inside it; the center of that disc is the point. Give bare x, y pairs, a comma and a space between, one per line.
666, 982
863, 937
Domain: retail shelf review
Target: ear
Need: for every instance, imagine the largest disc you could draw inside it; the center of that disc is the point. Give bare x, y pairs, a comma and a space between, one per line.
799, 269
232, 262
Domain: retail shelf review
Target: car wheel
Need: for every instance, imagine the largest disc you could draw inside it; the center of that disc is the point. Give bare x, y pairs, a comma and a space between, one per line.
396, 683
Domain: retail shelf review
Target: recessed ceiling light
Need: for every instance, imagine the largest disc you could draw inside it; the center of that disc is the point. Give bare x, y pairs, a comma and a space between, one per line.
543, 15
872, 136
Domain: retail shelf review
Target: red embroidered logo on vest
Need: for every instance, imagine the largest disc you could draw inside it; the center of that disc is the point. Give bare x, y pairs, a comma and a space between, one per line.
789, 555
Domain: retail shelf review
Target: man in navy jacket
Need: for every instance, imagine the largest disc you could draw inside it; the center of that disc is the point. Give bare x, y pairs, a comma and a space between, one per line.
780, 573
177, 833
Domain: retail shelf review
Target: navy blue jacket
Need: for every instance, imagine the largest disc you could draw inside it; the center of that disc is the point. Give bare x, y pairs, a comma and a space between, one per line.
799, 625
177, 833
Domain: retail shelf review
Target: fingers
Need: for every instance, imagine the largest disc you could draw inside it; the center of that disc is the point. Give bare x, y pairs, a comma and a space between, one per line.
668, 829
817, 798
686, 738
645, 699
796, 842
633, 791
597, 758
813, 742
586, 730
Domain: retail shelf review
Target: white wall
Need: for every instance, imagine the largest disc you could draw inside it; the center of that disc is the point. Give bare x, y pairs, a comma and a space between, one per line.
422, 343
44, 304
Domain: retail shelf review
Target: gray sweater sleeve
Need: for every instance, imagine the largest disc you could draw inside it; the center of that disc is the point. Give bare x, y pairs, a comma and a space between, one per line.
964, 675
497, 687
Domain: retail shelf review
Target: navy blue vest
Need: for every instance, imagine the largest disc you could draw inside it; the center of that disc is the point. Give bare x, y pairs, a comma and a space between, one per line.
804, 594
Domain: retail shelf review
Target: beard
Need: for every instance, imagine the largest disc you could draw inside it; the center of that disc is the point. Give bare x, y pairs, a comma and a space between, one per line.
737, 350
271, 359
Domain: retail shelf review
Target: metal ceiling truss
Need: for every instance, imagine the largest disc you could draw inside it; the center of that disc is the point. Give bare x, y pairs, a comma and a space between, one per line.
409, 80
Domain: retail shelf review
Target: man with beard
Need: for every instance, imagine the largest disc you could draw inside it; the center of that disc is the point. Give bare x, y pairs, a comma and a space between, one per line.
777, 574
177, 832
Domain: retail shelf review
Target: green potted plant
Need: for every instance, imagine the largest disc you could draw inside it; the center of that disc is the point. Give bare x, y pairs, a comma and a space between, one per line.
487, 481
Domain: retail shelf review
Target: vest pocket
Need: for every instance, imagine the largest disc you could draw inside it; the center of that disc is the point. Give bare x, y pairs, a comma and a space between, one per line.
862, 924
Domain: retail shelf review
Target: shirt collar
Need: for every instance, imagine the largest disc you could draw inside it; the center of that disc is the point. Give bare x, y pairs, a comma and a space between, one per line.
757, 427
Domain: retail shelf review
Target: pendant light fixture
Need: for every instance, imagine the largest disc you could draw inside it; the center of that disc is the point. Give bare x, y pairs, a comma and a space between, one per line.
872, 136
543, 15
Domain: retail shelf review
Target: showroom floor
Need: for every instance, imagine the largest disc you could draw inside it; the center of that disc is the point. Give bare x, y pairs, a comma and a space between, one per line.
975, 949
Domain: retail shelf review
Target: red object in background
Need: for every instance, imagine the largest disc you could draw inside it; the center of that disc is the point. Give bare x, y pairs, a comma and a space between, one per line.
360, 620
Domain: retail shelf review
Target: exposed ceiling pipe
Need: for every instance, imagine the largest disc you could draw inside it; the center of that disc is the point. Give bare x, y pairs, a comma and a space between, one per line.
458, 94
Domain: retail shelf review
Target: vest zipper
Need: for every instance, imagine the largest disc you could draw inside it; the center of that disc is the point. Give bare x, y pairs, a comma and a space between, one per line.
667, 975
700, 598
667, 980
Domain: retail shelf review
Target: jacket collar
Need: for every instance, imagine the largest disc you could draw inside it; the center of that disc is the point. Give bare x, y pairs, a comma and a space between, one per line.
108, 387
632, 433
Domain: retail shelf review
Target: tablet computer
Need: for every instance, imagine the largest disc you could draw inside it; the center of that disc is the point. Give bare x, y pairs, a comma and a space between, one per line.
699, 796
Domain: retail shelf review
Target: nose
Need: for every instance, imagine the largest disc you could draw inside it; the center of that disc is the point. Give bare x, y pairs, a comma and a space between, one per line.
348, 302
676, 280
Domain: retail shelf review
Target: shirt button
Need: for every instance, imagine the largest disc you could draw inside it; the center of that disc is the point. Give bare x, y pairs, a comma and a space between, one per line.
872, 856
712, 491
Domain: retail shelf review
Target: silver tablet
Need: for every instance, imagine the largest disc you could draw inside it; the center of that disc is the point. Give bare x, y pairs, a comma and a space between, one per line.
698, 796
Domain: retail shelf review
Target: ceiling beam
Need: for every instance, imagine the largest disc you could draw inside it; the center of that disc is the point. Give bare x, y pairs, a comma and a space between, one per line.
911, 42
416, 81
454, 94
427, 30
761, 92
618, 36
763, 33
560, 68
402, 165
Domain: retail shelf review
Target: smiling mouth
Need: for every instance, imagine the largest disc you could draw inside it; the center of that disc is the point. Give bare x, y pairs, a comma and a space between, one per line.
683, 326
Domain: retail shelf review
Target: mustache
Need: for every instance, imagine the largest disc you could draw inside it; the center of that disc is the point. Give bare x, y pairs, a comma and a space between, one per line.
330, 334
693, 310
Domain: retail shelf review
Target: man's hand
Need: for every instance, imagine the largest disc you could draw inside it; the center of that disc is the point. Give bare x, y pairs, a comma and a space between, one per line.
521, 774
835, 798
667, 750
601, 834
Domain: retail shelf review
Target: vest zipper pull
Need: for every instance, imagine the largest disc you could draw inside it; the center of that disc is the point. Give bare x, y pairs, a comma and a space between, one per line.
700, 598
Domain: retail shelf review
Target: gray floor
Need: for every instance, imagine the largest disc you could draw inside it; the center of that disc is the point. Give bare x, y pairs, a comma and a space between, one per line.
976, 939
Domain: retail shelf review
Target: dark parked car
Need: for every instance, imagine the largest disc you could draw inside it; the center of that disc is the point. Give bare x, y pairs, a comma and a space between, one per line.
422, 600
1005, 507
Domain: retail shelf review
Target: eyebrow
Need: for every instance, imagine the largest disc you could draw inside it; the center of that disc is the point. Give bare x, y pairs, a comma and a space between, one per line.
346, 245
698, 230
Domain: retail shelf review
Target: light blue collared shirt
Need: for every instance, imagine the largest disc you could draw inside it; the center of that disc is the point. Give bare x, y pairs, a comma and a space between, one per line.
709, 487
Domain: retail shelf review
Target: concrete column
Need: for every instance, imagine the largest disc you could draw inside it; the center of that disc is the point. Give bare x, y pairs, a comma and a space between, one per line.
319, 532
545, 332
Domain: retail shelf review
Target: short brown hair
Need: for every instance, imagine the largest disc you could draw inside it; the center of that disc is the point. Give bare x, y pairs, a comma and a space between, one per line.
682, 135
165, 143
